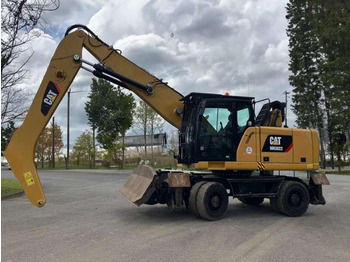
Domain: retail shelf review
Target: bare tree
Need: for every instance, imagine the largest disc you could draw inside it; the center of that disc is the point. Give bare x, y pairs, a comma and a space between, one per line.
141, 120
174, 141
156, 122
148, 121
18, 18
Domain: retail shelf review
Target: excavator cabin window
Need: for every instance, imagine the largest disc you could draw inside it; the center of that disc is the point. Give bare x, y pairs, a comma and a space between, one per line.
222, 125
212, 127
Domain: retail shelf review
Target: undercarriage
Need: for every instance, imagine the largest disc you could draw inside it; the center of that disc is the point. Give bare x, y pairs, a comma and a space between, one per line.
206, 194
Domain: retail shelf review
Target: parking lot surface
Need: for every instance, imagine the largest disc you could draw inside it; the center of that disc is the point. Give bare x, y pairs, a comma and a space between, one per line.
87, 219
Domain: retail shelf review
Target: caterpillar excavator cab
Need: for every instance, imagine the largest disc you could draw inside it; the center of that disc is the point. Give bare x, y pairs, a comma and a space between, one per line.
212, 126
225, 148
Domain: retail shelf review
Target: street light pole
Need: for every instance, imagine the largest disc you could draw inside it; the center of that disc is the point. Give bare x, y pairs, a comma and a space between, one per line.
53, 142
68, 120
286, 98
67, 162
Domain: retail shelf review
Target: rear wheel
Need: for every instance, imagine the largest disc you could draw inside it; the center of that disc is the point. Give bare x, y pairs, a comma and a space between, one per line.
293, 199
252, 201
212, 201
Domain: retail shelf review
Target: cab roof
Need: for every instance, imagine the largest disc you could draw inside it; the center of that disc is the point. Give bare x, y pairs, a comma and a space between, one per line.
200, 96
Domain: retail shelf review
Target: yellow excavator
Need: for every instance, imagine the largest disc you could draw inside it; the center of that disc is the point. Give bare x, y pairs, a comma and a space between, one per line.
228, 149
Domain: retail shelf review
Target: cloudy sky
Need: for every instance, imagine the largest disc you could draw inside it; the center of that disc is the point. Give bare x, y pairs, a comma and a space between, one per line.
235, 46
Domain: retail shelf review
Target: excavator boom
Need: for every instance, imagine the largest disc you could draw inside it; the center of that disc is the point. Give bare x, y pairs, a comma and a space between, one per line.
64, 65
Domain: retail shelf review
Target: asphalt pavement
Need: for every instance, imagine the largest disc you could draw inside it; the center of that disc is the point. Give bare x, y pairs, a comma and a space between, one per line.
87, 219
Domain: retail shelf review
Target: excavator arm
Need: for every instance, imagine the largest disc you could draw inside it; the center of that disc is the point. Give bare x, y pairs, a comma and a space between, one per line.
64, 65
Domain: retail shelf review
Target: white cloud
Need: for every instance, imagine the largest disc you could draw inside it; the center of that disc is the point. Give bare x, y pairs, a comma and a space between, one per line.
238, 47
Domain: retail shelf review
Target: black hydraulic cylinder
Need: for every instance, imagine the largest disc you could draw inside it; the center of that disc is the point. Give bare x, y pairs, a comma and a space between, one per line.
100, 68
99, 74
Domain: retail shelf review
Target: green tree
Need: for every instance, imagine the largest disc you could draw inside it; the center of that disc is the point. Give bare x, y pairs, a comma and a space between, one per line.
319, 40
339, 147
333, 30
93, 110
114, 154
83, 149
58, 141
111, 112
43, 147
305, 60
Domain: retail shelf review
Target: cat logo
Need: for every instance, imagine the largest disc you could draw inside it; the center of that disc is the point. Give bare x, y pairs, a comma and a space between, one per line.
50, 95
275, 140
50, 98
278, 143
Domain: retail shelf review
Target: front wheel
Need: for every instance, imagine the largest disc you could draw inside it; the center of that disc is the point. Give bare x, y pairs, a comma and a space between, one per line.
212, 201
293, 199
193, 197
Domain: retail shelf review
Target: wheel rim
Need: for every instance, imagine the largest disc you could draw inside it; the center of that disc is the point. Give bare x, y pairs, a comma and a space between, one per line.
295, 199
215, 202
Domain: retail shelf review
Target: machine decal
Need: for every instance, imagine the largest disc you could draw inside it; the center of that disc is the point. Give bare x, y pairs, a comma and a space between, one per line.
249, 150
276, 143
261, 165
29, 178
49, 98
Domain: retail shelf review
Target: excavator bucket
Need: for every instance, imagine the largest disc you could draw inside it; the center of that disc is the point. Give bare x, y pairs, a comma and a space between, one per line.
140, 186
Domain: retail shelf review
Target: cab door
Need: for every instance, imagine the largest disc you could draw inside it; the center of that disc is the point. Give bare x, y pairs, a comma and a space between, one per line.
217, 132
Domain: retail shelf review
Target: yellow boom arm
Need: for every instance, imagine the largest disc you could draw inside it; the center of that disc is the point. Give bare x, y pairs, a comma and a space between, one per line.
61, 72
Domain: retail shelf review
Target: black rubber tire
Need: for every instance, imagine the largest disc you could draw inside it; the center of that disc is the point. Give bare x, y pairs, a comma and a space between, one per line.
252, 201
212, 201
293, 199
192, 202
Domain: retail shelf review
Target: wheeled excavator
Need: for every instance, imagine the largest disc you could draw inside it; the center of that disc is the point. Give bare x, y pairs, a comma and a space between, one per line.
228, 150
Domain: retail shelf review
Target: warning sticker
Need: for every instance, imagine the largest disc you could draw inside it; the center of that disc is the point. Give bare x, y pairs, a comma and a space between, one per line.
29, 178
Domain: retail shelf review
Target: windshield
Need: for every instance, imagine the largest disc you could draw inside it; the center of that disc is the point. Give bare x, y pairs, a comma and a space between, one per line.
217, 129
215, 118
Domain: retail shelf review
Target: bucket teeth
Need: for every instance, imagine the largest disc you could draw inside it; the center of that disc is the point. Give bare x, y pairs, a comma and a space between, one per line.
140, 186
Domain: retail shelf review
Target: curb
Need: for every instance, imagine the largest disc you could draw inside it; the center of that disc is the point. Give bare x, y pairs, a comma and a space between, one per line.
12, 196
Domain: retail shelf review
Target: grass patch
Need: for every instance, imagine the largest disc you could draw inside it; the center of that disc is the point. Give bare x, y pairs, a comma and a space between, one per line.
63, 167
10, 187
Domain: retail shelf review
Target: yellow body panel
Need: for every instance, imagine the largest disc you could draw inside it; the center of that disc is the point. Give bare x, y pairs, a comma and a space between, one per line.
250, 141
302, 154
